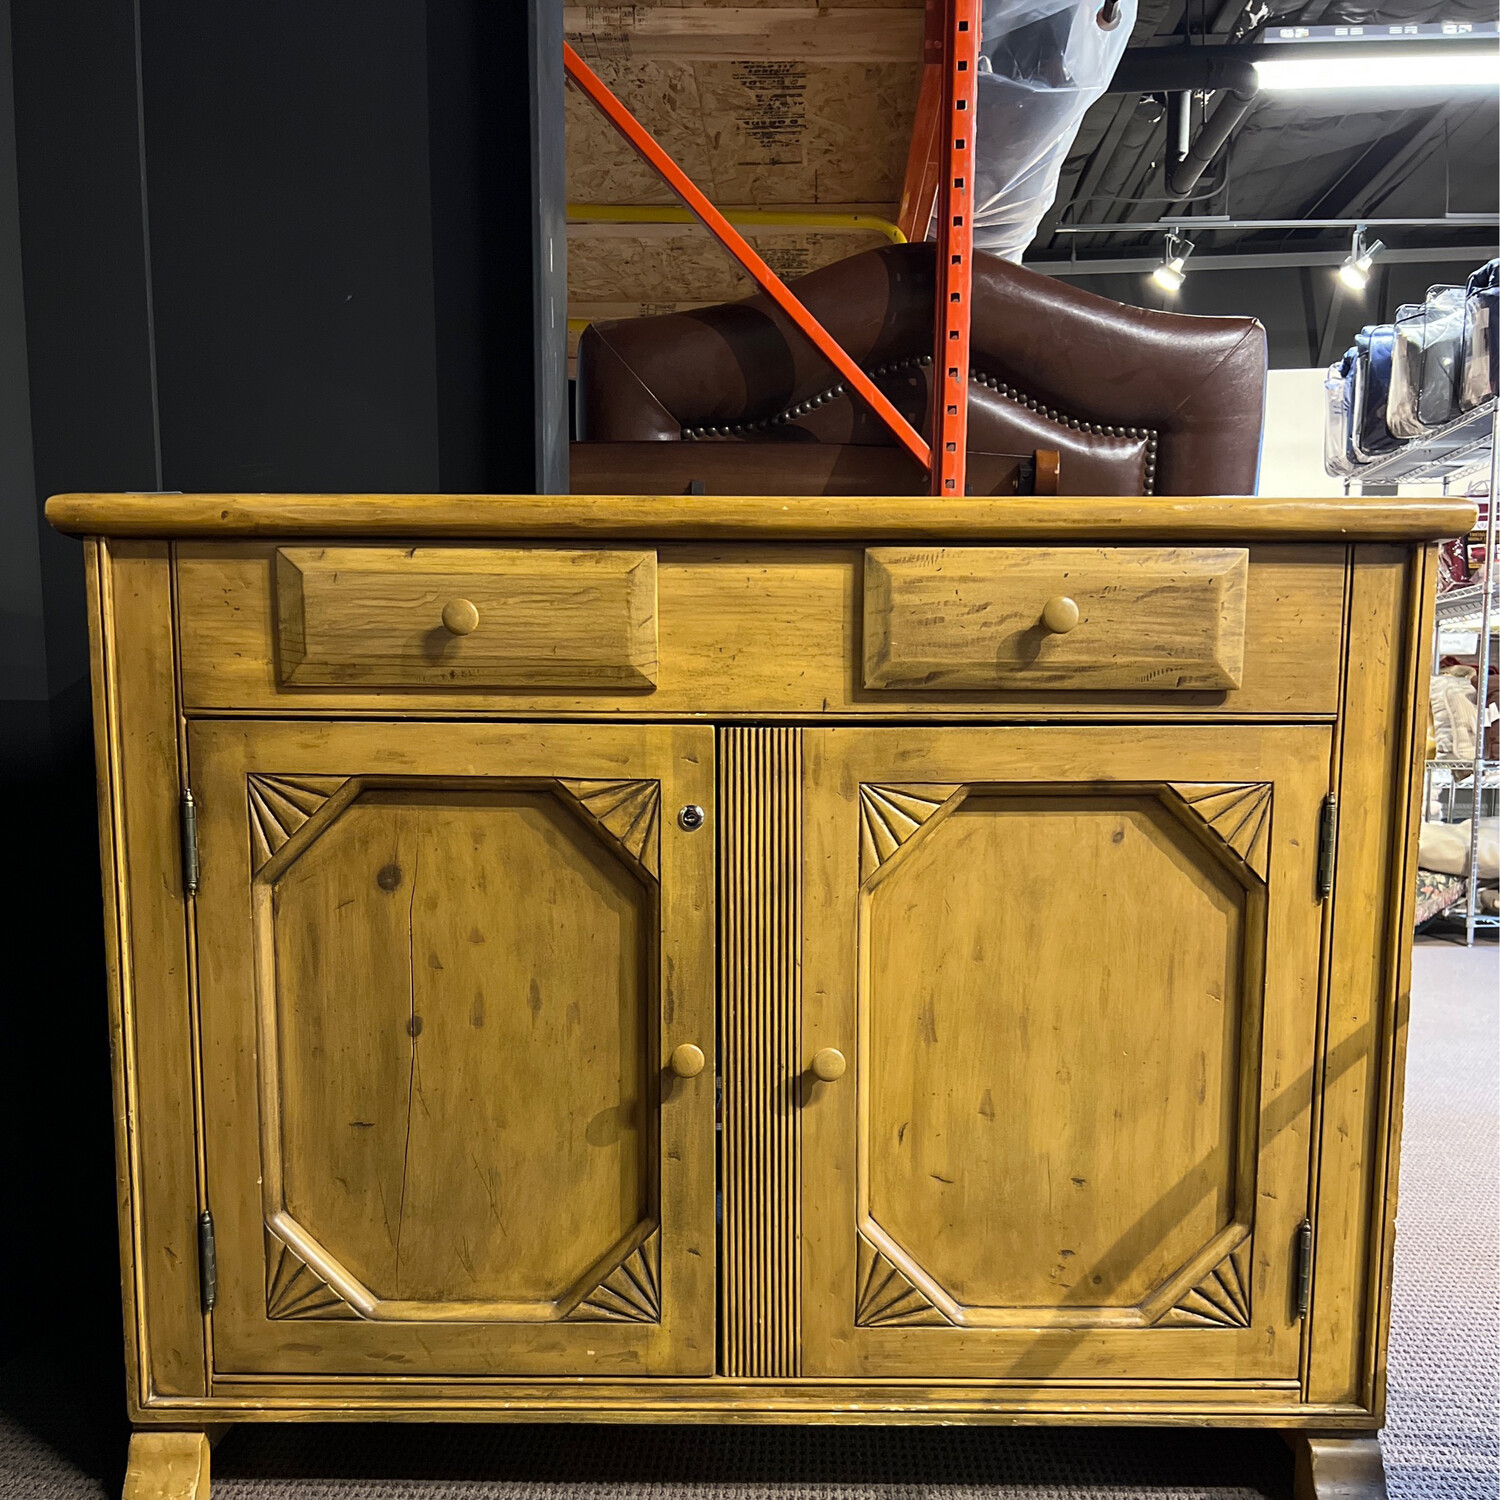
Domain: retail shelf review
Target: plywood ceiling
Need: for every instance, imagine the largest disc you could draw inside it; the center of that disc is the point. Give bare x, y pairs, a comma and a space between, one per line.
793, 107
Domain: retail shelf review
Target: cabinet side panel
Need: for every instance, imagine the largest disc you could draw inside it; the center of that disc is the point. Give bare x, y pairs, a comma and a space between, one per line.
1368, 972
149, 993
1420, 608
760, 819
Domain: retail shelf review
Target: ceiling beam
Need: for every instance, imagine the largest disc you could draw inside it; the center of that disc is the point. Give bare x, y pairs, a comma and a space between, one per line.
1268, 261
1082, 188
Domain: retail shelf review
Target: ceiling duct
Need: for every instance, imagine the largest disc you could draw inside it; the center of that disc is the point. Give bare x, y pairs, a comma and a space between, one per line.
1182, 70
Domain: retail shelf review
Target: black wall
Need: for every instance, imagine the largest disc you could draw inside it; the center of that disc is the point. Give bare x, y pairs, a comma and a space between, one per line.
258, 244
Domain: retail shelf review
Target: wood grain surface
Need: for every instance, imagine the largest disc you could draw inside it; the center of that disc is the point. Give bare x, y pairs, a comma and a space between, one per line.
751, 631
486, 617
152, 1042
463, 977
167, 1466
426, 1040
1169, 519
1163, 618
760, 873
1081, 1154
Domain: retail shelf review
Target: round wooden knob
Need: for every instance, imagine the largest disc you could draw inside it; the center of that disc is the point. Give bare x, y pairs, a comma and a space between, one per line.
828, 1063
460, 617
1060, 614
687, 1060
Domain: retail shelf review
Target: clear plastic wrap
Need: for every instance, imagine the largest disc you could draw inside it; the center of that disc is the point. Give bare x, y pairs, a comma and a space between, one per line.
1481, 338
1042, 63
1406, 371
1372, 385
1426, 363
1336, 459
1442, 356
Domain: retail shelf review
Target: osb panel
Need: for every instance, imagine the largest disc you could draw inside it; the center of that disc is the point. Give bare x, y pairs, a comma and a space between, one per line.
691, 266
767, 133
664, 98
796, 133
786, 132
783, 4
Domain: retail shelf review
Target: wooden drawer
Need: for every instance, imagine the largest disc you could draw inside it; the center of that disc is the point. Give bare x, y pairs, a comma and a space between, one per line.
466, 617
1157, 618
744, 630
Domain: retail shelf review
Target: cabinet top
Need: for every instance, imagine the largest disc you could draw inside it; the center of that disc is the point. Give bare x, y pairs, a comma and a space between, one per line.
762, 517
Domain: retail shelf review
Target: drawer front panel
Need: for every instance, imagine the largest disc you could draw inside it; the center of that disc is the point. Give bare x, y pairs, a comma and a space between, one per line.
466, 617
1157, 618
750, 630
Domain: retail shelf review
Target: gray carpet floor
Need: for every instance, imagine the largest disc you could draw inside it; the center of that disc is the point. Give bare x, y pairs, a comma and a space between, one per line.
62, 1438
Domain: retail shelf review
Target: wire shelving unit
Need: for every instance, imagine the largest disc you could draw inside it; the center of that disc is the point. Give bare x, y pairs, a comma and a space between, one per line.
1454, 454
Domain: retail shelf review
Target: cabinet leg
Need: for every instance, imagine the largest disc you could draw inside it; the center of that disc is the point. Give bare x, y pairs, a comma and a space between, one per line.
1338, 1468
167, 1466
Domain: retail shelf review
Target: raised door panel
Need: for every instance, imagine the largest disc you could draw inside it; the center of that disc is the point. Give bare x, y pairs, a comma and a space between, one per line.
442, 973
1074, 975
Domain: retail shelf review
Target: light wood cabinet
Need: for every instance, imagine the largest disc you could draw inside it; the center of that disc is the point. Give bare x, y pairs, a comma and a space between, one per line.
759, 960
1075, 972
442, 970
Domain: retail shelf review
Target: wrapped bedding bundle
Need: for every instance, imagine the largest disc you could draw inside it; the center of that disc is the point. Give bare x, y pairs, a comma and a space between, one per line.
1426, 356
1336, 396
1042, 63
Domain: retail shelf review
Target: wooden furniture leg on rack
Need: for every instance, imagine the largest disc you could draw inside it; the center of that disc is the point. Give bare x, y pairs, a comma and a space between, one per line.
1338, 1468
167, 1466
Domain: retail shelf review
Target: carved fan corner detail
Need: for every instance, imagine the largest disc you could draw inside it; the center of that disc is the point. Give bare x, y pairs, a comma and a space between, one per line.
279, 806
631, 1293
1238, 812
885, 1298
890, 815
295, 1290
628, 811
1220, 1300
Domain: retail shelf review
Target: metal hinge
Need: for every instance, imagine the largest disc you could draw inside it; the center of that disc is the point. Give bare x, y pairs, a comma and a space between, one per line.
208, 1262
1328, 832
189, 843
1304, 1267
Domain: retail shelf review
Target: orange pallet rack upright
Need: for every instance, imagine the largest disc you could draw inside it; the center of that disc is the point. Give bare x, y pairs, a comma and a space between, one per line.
953, 35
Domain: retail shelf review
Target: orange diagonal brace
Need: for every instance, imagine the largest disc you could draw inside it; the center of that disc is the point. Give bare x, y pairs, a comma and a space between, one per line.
919, 189
640, 141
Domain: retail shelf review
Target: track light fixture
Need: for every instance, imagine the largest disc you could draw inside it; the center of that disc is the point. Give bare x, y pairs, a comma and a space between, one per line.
1172, 271
1355, 271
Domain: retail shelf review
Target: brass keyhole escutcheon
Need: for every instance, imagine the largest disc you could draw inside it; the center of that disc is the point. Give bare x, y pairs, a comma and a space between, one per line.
1060, 614
460, 617
828, 1064
687, 1060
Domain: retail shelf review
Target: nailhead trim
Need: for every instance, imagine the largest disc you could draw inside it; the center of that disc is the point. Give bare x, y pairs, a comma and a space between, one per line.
895, 367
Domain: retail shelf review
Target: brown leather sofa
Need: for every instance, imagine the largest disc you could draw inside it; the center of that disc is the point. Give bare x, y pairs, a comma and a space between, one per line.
733, 400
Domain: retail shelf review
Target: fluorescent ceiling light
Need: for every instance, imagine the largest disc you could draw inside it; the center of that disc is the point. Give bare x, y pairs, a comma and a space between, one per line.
1429, 69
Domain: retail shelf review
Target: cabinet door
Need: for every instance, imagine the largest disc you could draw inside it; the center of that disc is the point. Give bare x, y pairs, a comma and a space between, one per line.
443, 972
1074, 975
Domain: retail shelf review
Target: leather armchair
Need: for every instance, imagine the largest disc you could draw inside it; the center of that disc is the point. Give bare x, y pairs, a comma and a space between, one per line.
733, 398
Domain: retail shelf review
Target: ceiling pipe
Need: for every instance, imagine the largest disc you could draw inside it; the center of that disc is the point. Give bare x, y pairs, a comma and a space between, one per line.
1216, 130
1179, 124
1180, 69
